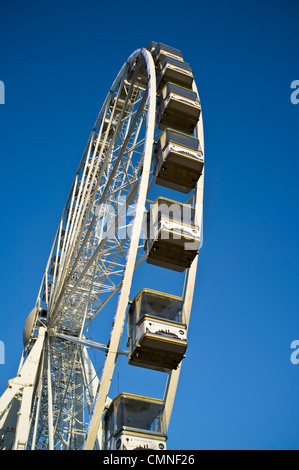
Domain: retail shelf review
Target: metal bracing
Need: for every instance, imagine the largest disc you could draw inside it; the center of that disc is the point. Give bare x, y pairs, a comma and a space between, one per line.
97, 248
123, 300
15, 403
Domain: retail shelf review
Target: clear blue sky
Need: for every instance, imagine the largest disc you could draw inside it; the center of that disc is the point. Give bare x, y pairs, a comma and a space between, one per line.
238, 388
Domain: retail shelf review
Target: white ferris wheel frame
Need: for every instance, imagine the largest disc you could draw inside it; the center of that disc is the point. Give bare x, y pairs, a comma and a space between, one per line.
26, 382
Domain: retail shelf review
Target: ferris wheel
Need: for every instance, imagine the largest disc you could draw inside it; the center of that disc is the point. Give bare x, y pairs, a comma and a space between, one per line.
135, 205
